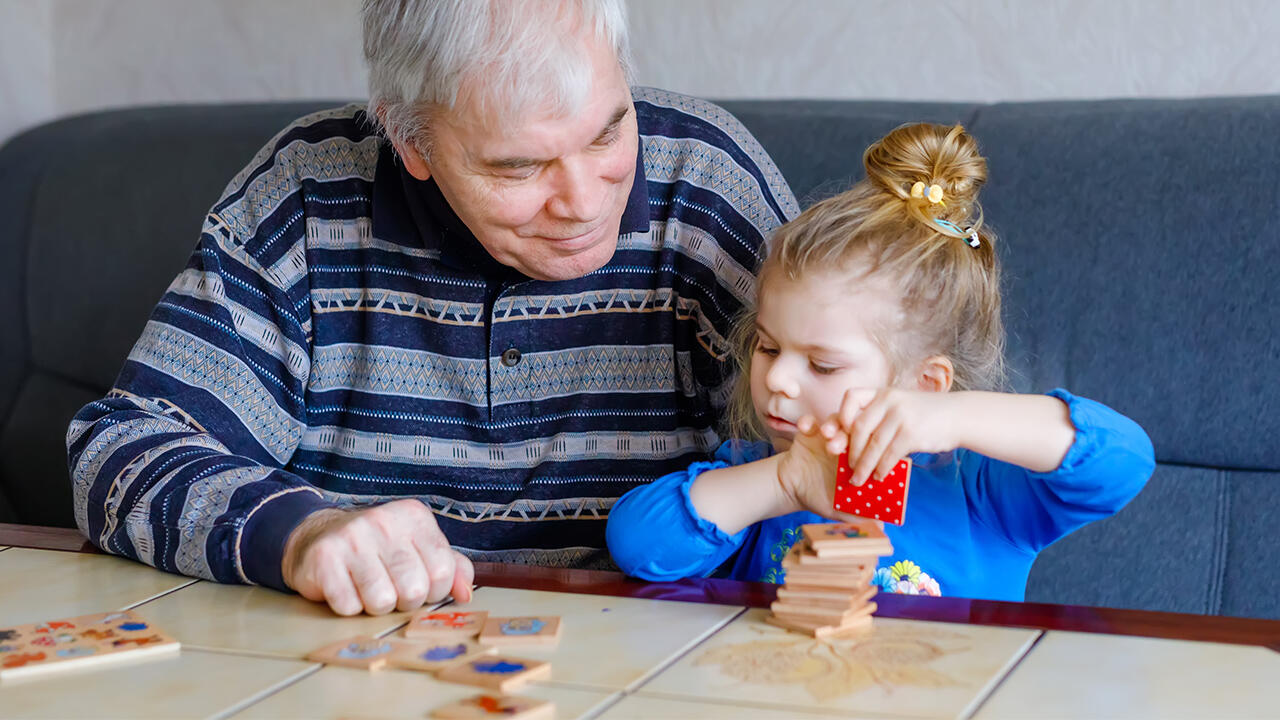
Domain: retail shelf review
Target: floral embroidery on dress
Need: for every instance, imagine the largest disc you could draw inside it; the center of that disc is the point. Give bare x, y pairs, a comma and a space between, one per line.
906, 578
775, 573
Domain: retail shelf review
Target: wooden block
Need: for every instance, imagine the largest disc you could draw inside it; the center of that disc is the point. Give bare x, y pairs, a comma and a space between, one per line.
826, 599
866, 554
861, 533
819, 630
502, 673
828, 581
807, 558
365, 652
808, 613
507, 706
438, 625
506, 631
434, 655
79, 642
884, 499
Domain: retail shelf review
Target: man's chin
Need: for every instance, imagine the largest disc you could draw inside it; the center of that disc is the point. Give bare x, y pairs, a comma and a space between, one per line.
554, 267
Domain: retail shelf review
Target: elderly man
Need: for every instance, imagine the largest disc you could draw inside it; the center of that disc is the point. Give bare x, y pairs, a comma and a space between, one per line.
497, 298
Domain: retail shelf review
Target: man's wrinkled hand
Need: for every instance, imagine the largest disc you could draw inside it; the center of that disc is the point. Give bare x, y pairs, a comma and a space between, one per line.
375, 559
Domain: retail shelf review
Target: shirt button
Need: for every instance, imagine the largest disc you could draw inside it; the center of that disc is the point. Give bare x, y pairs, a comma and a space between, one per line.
511, 357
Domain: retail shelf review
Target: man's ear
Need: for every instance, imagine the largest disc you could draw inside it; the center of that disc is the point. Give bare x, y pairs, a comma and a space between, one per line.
413, 160
407, 152
936, 374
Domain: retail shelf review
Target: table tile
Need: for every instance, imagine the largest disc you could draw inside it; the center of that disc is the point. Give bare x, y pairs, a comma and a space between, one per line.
337, 692
902, 669
191, 684
606, 642
1123, 677
38, 585
643, 707
241, 618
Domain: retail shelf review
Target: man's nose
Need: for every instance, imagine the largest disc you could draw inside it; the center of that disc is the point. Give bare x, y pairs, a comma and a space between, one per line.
580, 192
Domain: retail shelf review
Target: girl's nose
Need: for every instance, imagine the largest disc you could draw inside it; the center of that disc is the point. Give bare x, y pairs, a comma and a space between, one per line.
781, 380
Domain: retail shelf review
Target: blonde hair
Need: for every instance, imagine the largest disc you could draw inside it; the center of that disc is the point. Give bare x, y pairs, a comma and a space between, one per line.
950, 290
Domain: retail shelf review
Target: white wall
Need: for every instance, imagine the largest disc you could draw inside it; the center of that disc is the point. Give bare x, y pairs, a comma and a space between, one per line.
59, 57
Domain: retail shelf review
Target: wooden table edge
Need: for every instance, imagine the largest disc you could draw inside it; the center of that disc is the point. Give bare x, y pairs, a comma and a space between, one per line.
1036, 616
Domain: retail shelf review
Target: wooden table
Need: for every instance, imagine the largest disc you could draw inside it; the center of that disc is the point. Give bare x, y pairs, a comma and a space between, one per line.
694, 648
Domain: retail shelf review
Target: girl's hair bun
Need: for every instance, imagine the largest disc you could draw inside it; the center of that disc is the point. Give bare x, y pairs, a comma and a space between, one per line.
934, 170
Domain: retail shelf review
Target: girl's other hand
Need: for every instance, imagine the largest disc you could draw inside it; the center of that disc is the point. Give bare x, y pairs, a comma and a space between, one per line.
807, 473
880, 427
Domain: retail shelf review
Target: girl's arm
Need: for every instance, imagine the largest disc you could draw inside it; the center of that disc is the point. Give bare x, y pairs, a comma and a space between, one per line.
1106, 465
734, 498
655, 532
1031, 431
880, 427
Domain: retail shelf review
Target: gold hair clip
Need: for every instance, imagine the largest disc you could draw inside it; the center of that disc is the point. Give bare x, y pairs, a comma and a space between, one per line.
920, 191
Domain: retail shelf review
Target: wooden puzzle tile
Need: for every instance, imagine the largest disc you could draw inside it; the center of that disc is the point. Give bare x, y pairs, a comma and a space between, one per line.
831, 599
440, 624
821, 630
506, 706
502, 673
79, 642
433, 655
532, 630
828, 582
846, 537
364, 652
884, 499
810, 560
808, 613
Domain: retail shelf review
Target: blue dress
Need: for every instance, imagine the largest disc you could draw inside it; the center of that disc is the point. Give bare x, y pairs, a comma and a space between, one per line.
973, 525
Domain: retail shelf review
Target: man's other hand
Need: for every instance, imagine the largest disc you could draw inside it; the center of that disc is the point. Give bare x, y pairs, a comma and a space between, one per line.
375, 559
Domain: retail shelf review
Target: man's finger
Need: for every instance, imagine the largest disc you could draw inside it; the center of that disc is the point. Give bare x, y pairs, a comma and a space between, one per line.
438, 559
463, 577
334, 581
408, 574
377, 593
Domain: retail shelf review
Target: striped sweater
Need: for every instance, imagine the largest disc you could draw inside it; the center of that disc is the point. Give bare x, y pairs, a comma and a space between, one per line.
338, 338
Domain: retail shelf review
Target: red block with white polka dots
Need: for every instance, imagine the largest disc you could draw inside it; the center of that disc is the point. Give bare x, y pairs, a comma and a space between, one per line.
884, 499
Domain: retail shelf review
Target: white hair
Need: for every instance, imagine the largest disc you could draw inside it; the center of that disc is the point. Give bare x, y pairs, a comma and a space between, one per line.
505, 57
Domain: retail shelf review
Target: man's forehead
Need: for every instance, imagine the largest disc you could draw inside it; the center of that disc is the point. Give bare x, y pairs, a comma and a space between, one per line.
538, 136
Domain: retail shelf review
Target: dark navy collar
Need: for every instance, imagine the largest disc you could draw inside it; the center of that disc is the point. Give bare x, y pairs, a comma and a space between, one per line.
414, 212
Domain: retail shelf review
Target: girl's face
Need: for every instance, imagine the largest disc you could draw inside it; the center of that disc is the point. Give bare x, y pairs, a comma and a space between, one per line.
814, 340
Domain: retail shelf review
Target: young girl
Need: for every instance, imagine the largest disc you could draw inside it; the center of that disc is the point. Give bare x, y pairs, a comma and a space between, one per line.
877, 330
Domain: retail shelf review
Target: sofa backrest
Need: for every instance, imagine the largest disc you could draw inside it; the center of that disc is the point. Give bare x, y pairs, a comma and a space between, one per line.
1139, 240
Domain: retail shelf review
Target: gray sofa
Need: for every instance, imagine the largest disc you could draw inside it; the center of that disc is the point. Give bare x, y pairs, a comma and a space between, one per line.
1141, 246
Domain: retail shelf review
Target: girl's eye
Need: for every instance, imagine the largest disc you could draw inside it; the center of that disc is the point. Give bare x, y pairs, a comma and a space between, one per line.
823, 369
770, 352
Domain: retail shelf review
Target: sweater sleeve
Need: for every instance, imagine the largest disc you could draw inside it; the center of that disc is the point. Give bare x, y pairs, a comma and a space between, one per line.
181, 465
1108, 464
655, 533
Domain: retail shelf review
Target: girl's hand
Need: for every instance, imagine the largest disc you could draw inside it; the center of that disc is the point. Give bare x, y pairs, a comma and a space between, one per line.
880, 427
807, 473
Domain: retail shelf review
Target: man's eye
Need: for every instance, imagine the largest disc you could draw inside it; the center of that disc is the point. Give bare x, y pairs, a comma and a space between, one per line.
522, 174
607, 139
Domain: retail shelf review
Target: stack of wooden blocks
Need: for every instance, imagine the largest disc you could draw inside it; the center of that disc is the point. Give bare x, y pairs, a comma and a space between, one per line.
828, 587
